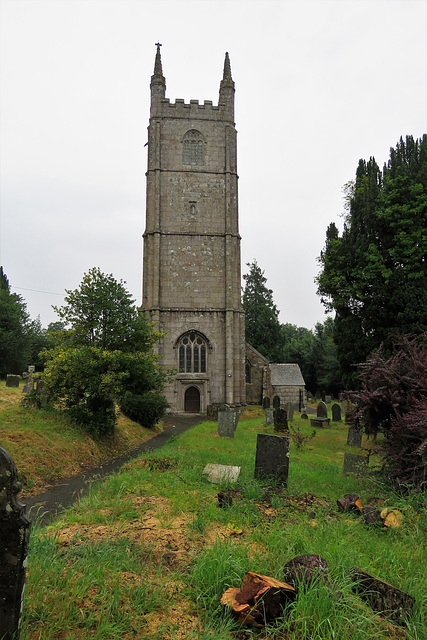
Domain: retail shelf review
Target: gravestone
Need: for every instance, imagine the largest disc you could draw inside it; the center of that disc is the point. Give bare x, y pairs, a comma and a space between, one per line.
354, 464
354, 437
280, 420
328, 399
269, 417
322, 410
221, 473
212, 412
227, 422
12, 380
347, 408
266, 402
290, 410
336, 413
276, 402
14, 539
29, 385
304, 416
272, 457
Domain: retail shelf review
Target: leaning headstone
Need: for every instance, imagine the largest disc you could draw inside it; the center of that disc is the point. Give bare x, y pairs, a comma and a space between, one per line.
322, 410
354, 437
12, 380
212, 412
336, 413
266, 402
272, 457
276, 402
280, 420
290, 410
354, 464
384, 598
226, 424
269, 417
221, 473
14, 539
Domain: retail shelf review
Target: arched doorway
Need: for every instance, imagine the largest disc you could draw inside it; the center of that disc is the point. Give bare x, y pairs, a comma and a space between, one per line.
192, 400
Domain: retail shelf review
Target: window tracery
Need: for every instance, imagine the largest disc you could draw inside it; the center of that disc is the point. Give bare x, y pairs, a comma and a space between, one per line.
192, 350
194, 148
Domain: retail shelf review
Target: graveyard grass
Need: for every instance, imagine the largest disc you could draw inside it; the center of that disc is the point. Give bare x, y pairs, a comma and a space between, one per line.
148, 553
45, 446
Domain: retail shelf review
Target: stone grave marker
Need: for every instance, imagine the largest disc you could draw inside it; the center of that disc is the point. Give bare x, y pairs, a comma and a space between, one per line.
14, 539
276, 402
29, 385
272, 457
266, 402
280, 420
227, 422
354, 464
290, 410
354, 437
336, 412
12, 380
212, 412
328, 399
322, 410
221, 473
304, 416
269, 417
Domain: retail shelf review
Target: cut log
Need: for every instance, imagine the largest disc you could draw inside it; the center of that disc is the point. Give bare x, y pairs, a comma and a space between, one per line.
302, 570
392, 517
385, 599
350, 502
371, 515
259, 600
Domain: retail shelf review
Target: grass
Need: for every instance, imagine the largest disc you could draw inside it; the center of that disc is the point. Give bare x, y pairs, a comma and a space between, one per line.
148, 553
46, 446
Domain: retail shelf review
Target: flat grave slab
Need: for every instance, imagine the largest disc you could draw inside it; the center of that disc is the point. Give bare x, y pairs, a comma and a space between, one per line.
221, 473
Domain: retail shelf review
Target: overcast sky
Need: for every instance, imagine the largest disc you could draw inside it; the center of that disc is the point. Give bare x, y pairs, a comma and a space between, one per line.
318, 86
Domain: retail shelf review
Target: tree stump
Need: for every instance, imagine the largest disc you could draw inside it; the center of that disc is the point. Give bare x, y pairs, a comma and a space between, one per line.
259, 600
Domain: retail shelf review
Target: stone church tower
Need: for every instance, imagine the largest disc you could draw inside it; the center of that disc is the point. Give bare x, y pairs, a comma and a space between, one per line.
191, 269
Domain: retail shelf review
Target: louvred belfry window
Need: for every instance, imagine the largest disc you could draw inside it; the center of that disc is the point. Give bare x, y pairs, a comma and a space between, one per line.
192, 354
194, 148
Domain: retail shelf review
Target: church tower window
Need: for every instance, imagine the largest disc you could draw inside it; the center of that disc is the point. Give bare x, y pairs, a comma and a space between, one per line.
192, 354
194, 151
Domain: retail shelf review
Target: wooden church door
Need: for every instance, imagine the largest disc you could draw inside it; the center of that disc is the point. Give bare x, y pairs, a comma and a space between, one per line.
192, 400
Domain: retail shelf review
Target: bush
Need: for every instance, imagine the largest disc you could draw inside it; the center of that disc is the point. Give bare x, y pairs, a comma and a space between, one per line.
393, 399
146, 409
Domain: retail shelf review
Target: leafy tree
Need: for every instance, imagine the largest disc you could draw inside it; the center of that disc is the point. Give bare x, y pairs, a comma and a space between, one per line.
39, 341
261, 315
103, 357
375, 274
15, 343
393, 399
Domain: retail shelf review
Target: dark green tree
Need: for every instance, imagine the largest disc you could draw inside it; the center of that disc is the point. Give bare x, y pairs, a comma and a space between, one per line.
375, 274
15, 342
103, 356
261, 315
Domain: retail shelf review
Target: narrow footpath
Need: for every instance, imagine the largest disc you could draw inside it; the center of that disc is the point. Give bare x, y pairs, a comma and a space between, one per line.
45, 506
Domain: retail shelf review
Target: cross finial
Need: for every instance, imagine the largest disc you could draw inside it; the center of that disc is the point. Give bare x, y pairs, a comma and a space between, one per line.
158, 44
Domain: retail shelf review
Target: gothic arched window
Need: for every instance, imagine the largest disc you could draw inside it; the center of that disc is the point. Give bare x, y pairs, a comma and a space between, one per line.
194, 148
248, 371
192, 350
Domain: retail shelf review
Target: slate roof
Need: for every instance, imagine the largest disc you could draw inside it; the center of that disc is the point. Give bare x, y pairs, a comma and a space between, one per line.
286, 375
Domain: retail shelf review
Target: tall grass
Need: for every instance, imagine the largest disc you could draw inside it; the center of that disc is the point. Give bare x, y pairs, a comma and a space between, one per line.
116, 583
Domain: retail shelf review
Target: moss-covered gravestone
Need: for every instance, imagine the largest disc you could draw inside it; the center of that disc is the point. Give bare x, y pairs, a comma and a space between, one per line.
14, 539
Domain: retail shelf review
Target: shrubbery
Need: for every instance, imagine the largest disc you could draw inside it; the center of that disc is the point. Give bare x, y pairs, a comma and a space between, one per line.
393, 400
145, 409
